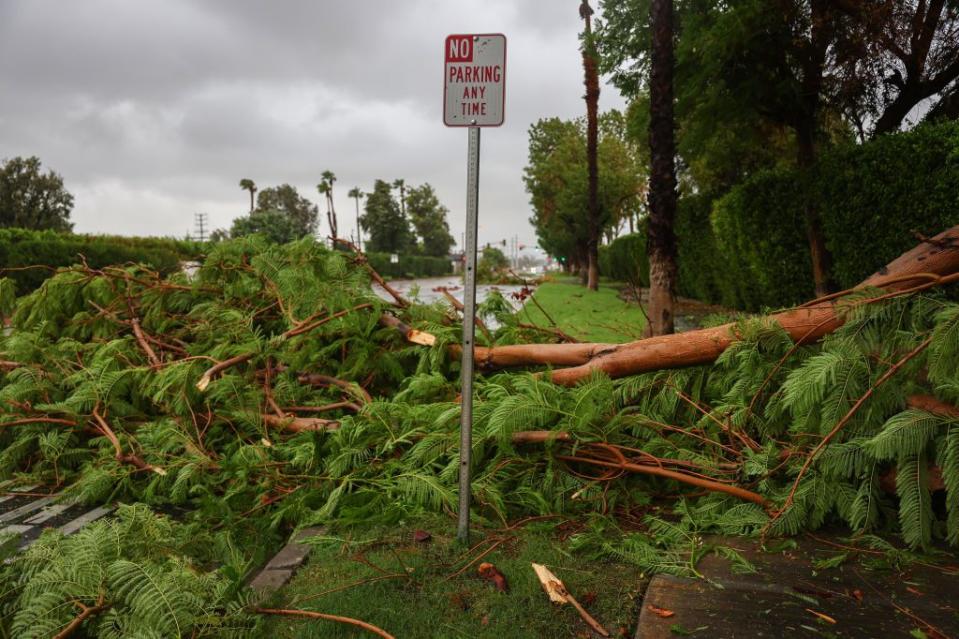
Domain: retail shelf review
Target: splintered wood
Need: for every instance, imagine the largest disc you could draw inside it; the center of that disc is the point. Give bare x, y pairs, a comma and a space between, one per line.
557, 593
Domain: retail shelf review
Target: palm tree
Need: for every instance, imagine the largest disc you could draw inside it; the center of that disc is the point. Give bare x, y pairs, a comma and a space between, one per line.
356, 194
325, 187
400, 183
660, 236
249, 185
591, 80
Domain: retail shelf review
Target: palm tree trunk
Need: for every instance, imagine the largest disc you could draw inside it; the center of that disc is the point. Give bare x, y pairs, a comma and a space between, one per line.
812, 82
359, 233
661, 238
591, 81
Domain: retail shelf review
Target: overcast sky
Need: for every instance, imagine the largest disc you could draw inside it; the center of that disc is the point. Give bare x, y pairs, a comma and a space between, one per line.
153, 110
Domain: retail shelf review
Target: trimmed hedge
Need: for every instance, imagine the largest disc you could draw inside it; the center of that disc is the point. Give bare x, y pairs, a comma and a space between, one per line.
21, 248
410, 266
624, 259
748, 249
873, 199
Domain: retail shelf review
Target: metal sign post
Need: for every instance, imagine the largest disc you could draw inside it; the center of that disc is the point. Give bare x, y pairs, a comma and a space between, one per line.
469, 331
474, 94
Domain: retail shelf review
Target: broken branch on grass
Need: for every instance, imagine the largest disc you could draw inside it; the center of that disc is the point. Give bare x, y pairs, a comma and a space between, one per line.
557, 592
309, 614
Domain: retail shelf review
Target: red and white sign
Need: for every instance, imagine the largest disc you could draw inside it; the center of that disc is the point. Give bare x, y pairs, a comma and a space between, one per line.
474, 80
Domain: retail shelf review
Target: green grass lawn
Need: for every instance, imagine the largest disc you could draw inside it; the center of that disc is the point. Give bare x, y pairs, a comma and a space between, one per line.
591, 316
411, 589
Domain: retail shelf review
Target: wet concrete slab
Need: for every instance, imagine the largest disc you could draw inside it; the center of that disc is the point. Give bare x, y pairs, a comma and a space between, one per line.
793, 594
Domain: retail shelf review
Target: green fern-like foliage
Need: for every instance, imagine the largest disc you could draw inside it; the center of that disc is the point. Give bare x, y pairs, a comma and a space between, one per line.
132, 569
299, 314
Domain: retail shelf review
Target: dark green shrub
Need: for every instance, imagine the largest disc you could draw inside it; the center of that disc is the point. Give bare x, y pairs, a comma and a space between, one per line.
625, 259
410, 266
875, 197
22, 248
872, 198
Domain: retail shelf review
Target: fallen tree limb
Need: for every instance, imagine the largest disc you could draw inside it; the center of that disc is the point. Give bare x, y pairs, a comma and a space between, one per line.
309, 614
85, 613
458, 305
124, 458
811, 457
409, 333
693, 480
299, 424
39, 420
316, 379
376, 277
932, 405
930, 264
324, 408
540, 436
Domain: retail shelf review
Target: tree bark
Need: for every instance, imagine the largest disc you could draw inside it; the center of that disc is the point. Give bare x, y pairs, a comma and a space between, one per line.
806, 127
936, 257
591, 81
661, 238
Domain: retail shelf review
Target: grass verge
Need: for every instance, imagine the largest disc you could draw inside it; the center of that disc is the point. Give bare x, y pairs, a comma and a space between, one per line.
412, 588
590, 316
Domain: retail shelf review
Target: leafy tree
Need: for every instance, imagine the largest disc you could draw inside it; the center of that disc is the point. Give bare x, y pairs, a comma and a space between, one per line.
302, 213
325, 187
32, 199
356, 194
428, 216
556, 178
249, 185
386, 227
591, 81
400, 185
491, 263
756, 86
276, 226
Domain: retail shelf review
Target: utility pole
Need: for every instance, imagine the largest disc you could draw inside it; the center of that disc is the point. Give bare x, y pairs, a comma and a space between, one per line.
200, 220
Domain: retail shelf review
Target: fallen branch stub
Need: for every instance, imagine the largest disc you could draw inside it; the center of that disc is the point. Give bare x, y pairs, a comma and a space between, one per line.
557, 593
409, 333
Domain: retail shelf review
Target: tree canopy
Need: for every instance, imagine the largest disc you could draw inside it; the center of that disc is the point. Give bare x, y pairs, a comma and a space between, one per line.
428, 217
32, 199
752, 84
556, 178
281, 214
386, 227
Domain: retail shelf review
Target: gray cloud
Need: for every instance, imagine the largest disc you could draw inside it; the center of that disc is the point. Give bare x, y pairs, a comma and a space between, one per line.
153, 110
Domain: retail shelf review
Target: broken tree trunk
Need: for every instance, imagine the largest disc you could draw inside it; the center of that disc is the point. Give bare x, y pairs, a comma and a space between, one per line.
934, 261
